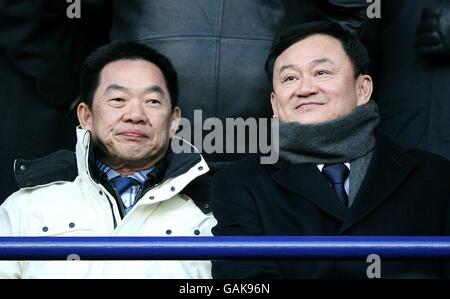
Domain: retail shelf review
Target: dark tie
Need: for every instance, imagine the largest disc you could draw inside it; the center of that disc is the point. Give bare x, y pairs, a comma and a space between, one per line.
122, 184
336, 174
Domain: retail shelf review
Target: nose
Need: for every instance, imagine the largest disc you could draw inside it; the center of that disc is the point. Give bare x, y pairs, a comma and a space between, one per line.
306, 87
134, 112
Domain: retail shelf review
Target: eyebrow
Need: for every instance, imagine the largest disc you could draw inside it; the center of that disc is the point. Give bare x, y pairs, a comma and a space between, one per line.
320, 61
314, 63
286, 66
113, 87
154, 88
150, 89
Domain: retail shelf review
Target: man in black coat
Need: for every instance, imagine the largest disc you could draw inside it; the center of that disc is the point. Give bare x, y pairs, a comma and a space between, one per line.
337, 174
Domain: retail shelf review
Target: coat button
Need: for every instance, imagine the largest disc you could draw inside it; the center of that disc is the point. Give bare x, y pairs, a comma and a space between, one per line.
151, 197
207, 206
168, 232
71, 225
45, 229
100, 192
200, 168
23, 167
172, 189
196, 232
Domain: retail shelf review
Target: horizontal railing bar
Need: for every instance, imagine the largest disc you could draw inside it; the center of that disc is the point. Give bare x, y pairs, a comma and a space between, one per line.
222, 248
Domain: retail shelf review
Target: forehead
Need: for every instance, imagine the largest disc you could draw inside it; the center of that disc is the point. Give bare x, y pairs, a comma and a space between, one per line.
134, 74
311, 48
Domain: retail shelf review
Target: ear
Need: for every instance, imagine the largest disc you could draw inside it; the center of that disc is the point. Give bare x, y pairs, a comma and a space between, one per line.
84, 115
174, 120
364, 89
273, 102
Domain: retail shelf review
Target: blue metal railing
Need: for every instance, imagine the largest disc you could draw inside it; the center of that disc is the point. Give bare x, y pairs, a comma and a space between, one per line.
222, 248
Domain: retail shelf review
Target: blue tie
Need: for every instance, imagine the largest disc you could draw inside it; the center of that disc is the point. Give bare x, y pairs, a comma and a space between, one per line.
336, 174
122, 184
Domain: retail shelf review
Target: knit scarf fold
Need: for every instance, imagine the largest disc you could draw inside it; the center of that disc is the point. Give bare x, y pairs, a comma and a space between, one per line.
341, 140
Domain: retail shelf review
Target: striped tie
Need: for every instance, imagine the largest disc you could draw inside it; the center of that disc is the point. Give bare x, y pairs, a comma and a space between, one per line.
122, 184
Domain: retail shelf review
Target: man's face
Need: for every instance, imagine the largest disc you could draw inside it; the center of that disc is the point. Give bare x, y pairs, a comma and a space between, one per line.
314, 82
131, 118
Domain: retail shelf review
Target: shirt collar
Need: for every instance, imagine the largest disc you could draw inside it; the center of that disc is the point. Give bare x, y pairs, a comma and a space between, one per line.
140, 176
320, 166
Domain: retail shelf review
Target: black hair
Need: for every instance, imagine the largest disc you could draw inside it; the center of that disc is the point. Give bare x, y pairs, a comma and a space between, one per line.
353, 47
114, 51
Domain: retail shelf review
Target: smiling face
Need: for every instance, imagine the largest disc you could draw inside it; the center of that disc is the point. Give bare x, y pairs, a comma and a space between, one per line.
131, 119
314, 82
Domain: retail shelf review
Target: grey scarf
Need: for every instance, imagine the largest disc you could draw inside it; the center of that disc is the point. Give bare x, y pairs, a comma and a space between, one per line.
341, 140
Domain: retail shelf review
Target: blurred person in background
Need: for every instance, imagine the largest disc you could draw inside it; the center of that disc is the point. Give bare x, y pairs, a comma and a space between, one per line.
41, 51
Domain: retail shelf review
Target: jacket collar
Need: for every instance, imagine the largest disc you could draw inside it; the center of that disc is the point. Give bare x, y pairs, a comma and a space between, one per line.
390, 165
306, 180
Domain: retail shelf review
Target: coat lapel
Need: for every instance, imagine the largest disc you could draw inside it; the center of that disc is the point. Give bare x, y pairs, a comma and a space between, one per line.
307, 181
389, 167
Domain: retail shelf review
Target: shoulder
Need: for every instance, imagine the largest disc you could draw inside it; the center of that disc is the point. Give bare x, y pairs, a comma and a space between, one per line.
23, 208
245, 169
45, 181
423, 160
432, 164
246, 173
60, 166
42, 197
423, 156
199, 190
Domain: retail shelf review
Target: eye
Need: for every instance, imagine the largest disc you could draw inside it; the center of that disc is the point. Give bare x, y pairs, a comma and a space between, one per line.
153, 101
117, 100
321, 73
289, 78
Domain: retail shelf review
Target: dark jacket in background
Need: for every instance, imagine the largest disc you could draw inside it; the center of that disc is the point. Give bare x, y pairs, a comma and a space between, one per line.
412, 91
402, 194
219, 47
41, 51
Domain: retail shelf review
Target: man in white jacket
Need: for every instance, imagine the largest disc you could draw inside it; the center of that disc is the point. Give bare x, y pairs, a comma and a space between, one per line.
123, 180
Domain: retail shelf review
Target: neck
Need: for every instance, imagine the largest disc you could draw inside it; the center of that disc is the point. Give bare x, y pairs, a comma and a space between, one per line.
126, 168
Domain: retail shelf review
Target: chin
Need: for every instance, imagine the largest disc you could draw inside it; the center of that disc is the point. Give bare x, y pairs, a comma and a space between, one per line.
130, 154
310, 120
316, 117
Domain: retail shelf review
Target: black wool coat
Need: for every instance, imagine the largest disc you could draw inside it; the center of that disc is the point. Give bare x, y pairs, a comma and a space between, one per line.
402, 194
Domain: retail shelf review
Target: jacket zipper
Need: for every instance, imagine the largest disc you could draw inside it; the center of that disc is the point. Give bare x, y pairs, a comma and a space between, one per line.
142, 191
86, 166
112, 212
116, 198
